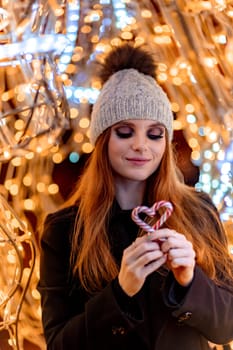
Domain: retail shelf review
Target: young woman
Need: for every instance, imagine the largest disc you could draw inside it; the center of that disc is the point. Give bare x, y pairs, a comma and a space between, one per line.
105, 283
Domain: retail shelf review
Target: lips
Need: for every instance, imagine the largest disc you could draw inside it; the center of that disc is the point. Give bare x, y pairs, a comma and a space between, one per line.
137, 161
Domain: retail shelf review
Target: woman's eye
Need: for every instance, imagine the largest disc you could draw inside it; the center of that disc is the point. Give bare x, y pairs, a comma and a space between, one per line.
156, 134
124, 132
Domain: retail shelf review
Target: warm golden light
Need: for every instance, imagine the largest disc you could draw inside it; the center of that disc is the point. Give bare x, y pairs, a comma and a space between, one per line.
87, 147
29, 204
53, 189
41, 187
194, 66
57, 158
84, 123
74, 113
27, 180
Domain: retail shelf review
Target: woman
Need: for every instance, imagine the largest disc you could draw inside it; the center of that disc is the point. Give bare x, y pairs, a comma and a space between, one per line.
106, 284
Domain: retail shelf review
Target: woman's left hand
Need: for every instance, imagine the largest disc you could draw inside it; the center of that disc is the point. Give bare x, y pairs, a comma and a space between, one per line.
180, 255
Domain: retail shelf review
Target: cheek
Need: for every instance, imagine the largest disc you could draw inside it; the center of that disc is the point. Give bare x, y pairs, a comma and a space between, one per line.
159, 150
115, 146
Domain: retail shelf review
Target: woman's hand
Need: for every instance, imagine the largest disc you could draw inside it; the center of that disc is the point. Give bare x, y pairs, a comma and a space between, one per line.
140, 259
149, 252
180, 255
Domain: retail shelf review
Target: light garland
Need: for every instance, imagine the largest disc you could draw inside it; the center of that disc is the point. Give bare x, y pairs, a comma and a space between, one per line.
193, 41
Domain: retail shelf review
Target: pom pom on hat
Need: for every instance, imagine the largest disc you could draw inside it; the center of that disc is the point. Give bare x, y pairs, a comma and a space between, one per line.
129, 92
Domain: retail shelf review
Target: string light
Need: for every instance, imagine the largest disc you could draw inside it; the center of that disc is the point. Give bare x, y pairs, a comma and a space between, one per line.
196, 73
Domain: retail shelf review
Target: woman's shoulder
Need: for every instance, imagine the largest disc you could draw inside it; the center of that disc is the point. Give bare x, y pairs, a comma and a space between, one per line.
61, 216
59, 225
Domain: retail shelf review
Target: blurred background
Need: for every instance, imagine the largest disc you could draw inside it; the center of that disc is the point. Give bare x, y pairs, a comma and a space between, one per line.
48, 84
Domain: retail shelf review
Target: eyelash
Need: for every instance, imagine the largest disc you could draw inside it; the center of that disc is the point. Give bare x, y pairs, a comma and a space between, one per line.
124, 135
155, 137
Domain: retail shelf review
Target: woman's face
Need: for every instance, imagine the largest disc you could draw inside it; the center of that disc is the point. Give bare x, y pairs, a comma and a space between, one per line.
136, 148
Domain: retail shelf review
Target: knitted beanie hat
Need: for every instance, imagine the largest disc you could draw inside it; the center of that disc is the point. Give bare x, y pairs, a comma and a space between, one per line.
130, 94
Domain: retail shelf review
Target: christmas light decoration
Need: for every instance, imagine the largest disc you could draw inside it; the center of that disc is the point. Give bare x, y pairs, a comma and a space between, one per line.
49, 82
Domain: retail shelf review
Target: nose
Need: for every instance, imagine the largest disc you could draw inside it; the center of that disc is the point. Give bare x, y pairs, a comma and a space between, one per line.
139, 141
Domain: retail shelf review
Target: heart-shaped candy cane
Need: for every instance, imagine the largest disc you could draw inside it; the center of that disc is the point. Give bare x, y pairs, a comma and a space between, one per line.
151, 212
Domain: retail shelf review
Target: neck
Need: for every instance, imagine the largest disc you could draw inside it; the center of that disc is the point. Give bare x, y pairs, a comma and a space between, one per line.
129, 194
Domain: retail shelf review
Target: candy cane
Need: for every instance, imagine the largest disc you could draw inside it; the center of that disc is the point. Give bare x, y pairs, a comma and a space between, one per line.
151, 212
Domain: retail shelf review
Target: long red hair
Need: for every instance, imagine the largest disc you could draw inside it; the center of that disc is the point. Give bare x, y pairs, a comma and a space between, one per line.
193, 215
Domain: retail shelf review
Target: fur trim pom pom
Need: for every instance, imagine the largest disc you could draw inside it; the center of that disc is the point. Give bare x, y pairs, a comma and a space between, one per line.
125, 57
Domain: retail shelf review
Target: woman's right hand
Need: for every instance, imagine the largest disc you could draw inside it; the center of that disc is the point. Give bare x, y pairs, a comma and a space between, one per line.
139, 260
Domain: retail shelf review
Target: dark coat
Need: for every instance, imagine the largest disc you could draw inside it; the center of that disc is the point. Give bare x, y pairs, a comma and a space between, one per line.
162, 316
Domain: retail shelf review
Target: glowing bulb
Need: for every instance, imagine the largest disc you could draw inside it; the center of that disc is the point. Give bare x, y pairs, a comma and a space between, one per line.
193, 143
146, 14
14, 189
29, 204
29, 155
189, 108
27, 180
53, 189
84, 123
78, 137
41, 187
195, 155
17, 161
175, 107
57, 158
177, 124
87, 147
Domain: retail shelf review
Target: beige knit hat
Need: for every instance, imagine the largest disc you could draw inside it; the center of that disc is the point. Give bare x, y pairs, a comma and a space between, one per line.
130, 94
